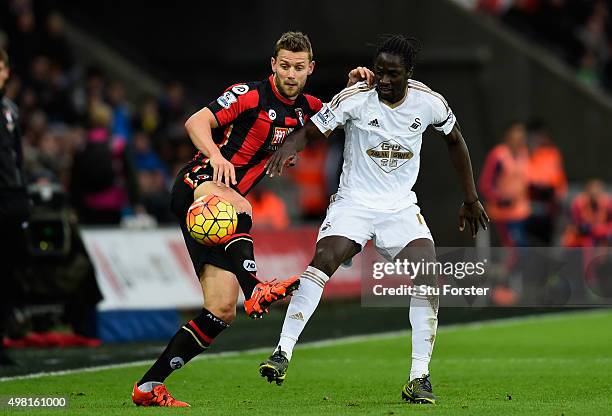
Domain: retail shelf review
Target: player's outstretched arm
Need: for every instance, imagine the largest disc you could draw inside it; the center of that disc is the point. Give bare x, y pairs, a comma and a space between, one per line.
294, 143
471, 210
199, 126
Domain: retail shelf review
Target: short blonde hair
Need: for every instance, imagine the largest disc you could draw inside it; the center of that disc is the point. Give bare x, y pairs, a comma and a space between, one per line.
294, 42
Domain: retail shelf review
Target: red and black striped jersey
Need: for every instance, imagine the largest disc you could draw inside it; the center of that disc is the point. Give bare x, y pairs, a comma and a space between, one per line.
254, 120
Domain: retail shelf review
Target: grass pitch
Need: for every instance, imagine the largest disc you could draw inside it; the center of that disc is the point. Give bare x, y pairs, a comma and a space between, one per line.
548, 365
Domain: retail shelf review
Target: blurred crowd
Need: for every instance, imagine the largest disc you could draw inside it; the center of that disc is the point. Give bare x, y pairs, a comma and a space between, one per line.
112, 156
115, 157
525, 189
577, 31
523, 179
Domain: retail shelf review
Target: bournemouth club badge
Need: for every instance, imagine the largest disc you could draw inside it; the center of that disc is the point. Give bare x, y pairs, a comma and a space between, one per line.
300, 115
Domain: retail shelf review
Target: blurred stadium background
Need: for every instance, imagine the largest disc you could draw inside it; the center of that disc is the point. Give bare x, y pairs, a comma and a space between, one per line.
104, 89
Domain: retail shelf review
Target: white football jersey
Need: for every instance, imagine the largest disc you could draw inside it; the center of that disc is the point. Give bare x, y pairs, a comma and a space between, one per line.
383, 144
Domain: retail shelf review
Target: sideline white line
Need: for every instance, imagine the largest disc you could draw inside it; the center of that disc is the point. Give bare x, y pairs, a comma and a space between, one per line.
331, 342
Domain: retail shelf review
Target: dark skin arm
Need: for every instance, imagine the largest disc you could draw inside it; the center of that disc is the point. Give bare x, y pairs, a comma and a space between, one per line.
295, 142
471, 210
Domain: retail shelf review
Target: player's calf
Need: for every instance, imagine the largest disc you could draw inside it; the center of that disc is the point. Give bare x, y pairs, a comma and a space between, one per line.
189, 341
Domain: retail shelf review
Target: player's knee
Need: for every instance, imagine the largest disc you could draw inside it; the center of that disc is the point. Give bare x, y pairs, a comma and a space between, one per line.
205, 188
224, 310
239, 202
326, 260
242, 205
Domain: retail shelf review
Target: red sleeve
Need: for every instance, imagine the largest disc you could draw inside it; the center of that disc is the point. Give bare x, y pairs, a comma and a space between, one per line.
314, 103
234, 101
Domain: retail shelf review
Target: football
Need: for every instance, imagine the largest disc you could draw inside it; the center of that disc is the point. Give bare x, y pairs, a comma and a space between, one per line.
211, 220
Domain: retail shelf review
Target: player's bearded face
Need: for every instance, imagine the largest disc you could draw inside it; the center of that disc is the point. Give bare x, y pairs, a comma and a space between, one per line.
390, 77
291, 69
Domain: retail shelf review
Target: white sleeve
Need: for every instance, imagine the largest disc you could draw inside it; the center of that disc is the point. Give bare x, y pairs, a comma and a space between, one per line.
340, 109
443, 118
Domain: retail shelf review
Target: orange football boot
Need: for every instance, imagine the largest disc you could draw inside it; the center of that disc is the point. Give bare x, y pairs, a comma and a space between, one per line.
266, 293
158, 397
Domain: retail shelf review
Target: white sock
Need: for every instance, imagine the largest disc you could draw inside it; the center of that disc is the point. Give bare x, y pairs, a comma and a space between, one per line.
303, 304
149, 386
424, 322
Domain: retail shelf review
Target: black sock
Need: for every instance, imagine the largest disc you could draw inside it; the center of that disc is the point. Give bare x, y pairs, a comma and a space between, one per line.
239, 249
193, 338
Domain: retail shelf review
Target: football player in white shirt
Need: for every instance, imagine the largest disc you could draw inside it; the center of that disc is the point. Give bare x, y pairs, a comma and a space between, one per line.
384, 127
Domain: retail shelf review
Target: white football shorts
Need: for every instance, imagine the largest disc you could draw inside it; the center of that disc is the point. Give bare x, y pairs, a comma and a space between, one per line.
390, 230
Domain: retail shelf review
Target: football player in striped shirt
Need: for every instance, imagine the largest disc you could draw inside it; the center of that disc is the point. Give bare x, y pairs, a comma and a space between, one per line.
384, 127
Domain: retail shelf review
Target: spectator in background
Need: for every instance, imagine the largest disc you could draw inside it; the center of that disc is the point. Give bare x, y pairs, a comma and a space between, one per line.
48, 160
547, 184
49, 90
309, 176
153, 178
102, 182
57, 106
172, 142
26, 41
591, 230
38, 80
145, 159
173, 111
269, 211
87, 91
48, 149
148, 119
592, 34
591, 217
55, 44
503, 183
121, 128
35, 126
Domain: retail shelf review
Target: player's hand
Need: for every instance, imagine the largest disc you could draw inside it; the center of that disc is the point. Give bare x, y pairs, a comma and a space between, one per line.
279, 159
292, 161
223, 171
361, 73
474, 214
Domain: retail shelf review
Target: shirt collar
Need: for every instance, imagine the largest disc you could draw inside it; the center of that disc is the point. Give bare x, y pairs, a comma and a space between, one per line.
278, 94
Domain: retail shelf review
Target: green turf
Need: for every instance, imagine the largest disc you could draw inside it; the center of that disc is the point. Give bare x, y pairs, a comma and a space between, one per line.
548, 365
